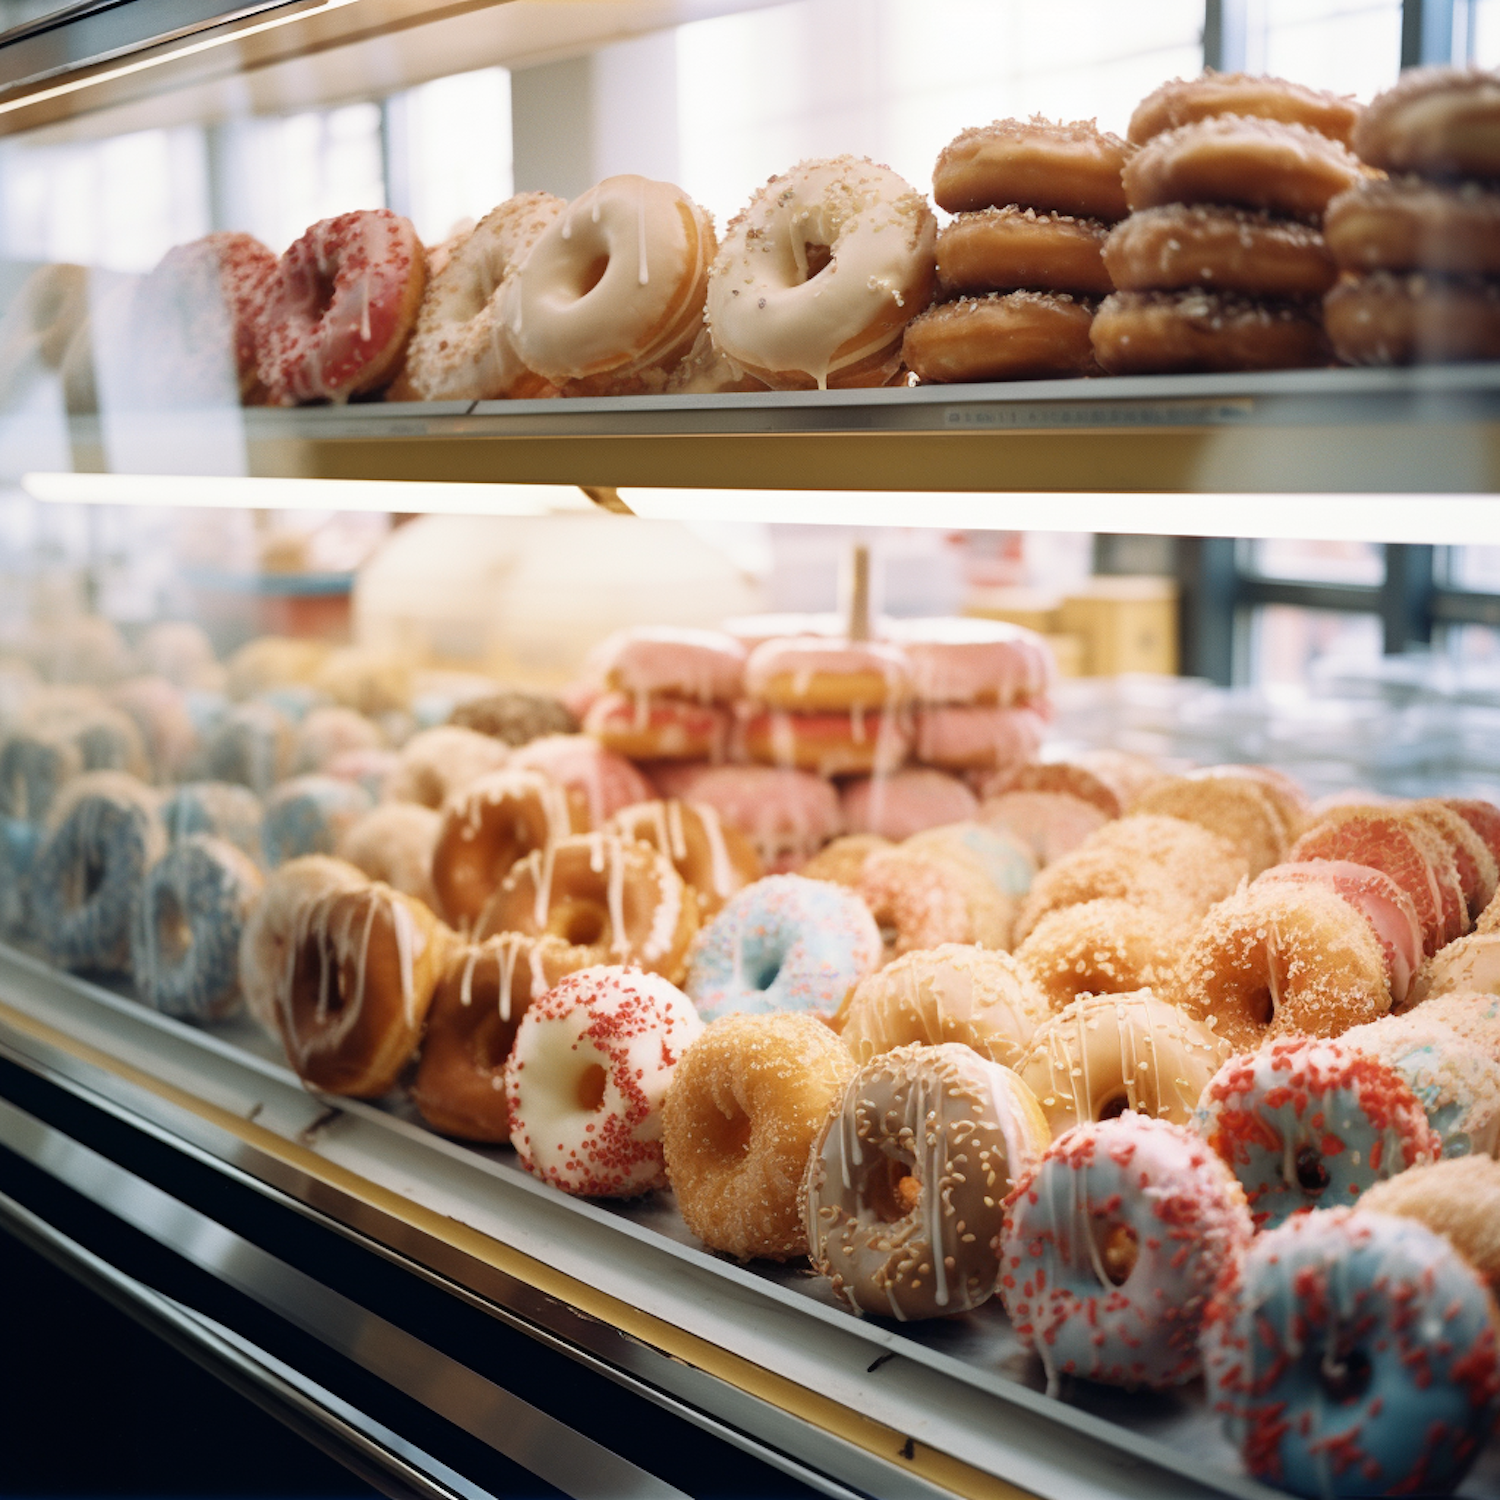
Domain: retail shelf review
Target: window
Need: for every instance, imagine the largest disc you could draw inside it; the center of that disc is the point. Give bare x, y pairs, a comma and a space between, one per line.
1349, 46
1317, 562
1287, 642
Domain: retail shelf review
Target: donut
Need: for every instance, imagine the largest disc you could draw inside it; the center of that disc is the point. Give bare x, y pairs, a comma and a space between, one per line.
1478, 874
974, 662
40, 321
1112, 1246
35, 765
847, 742
488, 828
1354, 1353
1007, 247
434, 764
1469, 966
1049, 166
1474, 1017
607, 781
394, 843
645, 728
1177, 246
309, 815
819, 274
160, 713
745, 1104
904, 803
220, 808
1277, 959
705, 370
251, 744
1237, 808
1458, 1198
1050, 824
1004, 861
907, 1180
515, 718
1186, 100
976, 739
585, 1082
923, 900
784, 943
19, 842
843, 860
701, 666
1436, 122
1406, 224
105, 833
271, 661
1106, 947
107, 739
180, 651
715, 859
461, 347
812, 675
1150, 333
1067, 777
788, 815
952, 993
1244, 161
186, 928
1292, 805
328, 732
1482, 817
1389, 319
1307, 1122
1021, 335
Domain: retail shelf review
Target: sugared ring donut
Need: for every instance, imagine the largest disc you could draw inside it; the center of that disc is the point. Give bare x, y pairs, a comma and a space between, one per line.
394, 843
613, 900
960, 738
713, 857
923, 899
975, 663
845, 742
1001, 336
1104, 1054
820, 273
1237, 808
1307, 1123
185, 932
1407, 224
906, 1185
578, 762
1483, 817
744, 1107
328, 732
806, 674
1474, 1017
788, 815
1158, 333
1112, 1247
1416, 319
309, 815
1354, 1354
702, 666
461, 348
1228, 249
340, 307
1469, 966
1066, 777
436, 763
1106, 947
1058, 168
1458, 1198
1000, 249
362, 968
592, 1062
1436, 122
1050, 824
1285, 169
644, 728
842, 861
1478, 873
905, 803
1184, 100
250, 745
611, 294
1004, 861
952, 993
784, 943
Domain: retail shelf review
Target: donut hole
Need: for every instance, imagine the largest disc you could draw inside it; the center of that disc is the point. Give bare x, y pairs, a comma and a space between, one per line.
818, 258
590, 1087
593, 274
490, 1045
728, 1135
763, 968
581, 923
1113, 1107
173, 934
891, 1191
1260, 1006
1312, 1175
1118, 1252
1347, 1379
87, 877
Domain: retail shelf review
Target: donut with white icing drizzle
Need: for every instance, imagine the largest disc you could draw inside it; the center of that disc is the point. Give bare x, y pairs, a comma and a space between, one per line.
714, 858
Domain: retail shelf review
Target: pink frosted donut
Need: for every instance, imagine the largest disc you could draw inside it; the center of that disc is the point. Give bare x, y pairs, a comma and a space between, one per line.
1050, 824
755, 630
897, 806
607, 780
646, 728
788, 815
985, 663
844, 742
810, 674
161, 714
964, 738
703, 666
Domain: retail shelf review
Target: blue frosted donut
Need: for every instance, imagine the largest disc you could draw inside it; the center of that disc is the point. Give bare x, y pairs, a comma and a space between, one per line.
783, 943
1355, 1354
221, 808
250, 744
34, 768
89, 871
307, 815
19, 841
185, 937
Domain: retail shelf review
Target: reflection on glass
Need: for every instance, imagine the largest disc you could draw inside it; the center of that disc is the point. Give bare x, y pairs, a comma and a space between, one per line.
1476, 568
1483, 40
1286, 643
1318, 562
1472, 644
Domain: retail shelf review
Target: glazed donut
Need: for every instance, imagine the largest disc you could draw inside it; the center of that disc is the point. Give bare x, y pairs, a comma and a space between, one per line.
1002, 249
1050, 824
977, 739
774, 306
1056, 168
842, 861
812, 675
610, 295
1237, 808
906, 1183
897, 806
1436, 122
1478, 874
434, 764
788, 815
309, 815
488, 828
187, 925
1185, 100
784, 943
592, 1062
1389, 319
35, 765
715, 859
1002, 860
329, 732
1153, 333
848, 742
1001, 336
921, 900
1112, 1246
1458, 1199
219, 808
705, 370
610, 899
644, 728
1406, 224
745, 1105
1332, 1325
607, 781
394, 843
952, 993
1108, 947
461, 347
251, 744
515, 718
1236, 159
362, 967
701, 666
1241, 250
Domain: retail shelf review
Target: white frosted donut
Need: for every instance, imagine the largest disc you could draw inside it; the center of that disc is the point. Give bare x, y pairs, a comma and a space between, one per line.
611, 294
818, 277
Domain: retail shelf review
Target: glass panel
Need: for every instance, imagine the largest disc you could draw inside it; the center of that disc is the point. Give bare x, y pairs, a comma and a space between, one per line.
1318, 562
1474, 568
1484, 33
1287, 643
1343, 45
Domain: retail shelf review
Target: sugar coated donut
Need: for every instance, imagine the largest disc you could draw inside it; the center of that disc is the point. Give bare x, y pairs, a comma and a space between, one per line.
1149, 333
974, 662
592, 1062
1004, 861
1306, 1123
702, 666
1458, 1198
1241, 250
309, 815
340, 307
922, 899
784, 943
1055, 167
905, 1188
952, 993
1483, 817
251, 744
1112, 1246
1478, 874
1354, 1354
808, 674
1407, 224
1021, 335
716, 860
435, 763
1436, 122
1236, 159
1050, 824
514, 717
461, 348
330, 731
1469, 966
788, 815
271, 661
846, 742
1001, 249
1237, 808
394, 843
1390, 319
745, 1105
1105, 947
610, 295
1474, 1017
186, 928
899, 805
1184, 100
608, 781
644, 728
820, 273
842, 861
